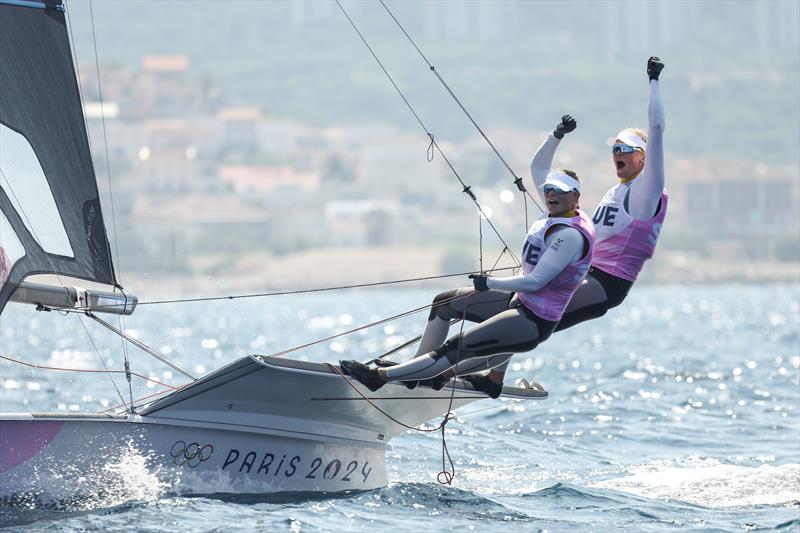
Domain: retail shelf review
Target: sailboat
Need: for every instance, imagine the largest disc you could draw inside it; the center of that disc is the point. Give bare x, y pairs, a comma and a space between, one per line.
261, 424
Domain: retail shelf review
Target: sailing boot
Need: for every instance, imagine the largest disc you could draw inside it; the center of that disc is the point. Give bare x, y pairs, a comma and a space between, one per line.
365, 375
436, 382
411, 384
481, 382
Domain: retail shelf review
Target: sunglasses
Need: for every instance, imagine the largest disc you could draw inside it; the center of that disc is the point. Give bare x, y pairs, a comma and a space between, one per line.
547, 188
622, 148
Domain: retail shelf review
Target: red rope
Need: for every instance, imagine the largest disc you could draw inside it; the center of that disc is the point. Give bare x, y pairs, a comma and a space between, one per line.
369, 325
44, 367
444, 474
448, 475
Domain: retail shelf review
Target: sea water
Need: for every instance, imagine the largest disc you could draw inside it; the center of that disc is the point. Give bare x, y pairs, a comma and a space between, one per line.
678, 411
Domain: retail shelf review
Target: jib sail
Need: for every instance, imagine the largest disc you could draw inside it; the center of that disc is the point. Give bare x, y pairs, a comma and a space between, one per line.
50, 216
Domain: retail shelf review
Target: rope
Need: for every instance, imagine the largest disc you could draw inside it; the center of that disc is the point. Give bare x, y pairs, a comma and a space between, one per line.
305, 291
480, 242
466, 188
446, 475
120, 318
137, 404
23, 214
105, 134
366, 326
91, 371
139, 344
110, 191
517, 180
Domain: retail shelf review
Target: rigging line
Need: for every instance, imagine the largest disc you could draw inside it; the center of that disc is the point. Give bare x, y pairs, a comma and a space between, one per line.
408, 343
466, 188
32, 229
368, 325
142, 346
298, 291
86, 370
480, 242
499, 257
445, 475
105, 134
141, 403
105, 366
29, 226
517, 179
120, 318
336, 369
502, 405
89, 138
74, 49
525, 203
446, 418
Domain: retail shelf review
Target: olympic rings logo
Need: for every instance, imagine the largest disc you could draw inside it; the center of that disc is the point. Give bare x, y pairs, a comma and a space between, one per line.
191, 454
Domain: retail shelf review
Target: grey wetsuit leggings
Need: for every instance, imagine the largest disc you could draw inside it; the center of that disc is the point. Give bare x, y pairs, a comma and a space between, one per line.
598, 293
504, 326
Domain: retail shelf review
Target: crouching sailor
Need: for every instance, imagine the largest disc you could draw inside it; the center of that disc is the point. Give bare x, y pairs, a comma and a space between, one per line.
514, 314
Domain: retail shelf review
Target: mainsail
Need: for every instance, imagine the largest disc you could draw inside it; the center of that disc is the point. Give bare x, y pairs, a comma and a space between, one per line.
50, 216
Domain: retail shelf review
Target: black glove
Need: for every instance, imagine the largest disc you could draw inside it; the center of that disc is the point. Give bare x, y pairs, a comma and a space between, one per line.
654, 67
479, 281
566, 125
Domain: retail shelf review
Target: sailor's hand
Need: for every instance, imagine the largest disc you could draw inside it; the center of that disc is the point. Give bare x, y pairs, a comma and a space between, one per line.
654, 67
479, 281
566, 125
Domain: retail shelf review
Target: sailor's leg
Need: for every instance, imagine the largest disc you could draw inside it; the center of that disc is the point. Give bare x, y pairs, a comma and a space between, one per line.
545, 329
472, 371
423, 366
450, 305
598, 293
588, 302
498, 373
510, 331
479, 364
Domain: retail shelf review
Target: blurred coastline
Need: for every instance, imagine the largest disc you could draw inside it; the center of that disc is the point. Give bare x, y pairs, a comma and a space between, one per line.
280, 157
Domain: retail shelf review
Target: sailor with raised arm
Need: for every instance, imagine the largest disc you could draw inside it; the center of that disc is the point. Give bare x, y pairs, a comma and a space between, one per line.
514, 314
627, 221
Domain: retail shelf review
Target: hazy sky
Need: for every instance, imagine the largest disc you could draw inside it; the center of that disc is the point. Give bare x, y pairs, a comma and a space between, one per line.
731, 86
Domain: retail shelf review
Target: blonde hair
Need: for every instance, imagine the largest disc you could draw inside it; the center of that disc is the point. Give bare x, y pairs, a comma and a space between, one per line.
639, 132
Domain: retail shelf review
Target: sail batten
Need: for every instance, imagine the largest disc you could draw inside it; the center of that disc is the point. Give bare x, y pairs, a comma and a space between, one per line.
33, 4
48, 193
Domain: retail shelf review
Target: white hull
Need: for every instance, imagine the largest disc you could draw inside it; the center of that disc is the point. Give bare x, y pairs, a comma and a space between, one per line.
259, 425
74, 457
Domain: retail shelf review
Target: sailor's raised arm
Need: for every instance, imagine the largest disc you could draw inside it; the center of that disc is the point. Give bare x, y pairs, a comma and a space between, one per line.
565, 244
646, 191
543, 158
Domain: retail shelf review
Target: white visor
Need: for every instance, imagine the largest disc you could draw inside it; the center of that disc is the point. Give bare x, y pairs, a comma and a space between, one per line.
629, 138
562, 181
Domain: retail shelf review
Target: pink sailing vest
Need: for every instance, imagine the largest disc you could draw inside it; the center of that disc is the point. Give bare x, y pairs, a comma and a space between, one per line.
624, 243
550, 301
